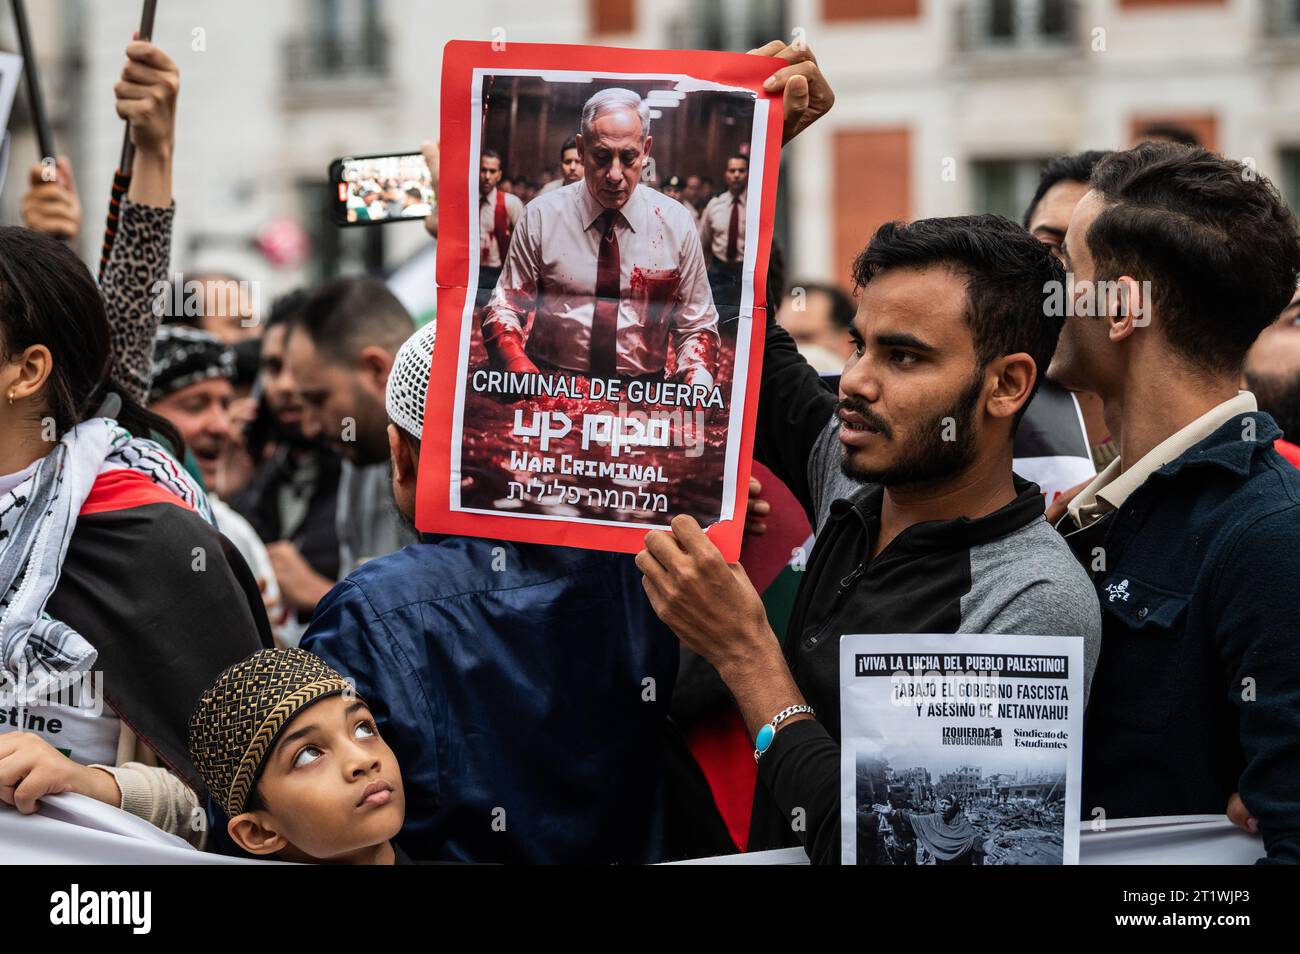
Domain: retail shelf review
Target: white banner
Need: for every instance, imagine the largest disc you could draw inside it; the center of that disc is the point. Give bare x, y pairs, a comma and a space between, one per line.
73, 829
1173, 840
70, 829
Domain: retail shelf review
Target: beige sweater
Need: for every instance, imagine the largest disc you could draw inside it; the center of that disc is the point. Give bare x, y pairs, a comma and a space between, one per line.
150, 791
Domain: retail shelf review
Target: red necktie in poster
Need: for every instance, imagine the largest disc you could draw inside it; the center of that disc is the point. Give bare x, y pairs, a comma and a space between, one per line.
604, 328
598, 393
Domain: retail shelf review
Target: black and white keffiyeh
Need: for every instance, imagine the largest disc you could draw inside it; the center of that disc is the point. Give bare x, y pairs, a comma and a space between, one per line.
37, 518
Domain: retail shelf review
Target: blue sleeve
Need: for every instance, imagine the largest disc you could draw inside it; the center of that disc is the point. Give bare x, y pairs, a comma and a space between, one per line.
1261, 656
386, 669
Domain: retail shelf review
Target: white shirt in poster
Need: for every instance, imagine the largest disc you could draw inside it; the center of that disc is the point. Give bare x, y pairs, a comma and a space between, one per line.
665, 299
715, 225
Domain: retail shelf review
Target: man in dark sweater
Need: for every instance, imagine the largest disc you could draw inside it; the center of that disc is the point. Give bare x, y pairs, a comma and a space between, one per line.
1190, 535
921, 525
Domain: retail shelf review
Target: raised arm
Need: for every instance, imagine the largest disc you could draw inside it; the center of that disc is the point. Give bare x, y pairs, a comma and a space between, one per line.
135, 278
795, 405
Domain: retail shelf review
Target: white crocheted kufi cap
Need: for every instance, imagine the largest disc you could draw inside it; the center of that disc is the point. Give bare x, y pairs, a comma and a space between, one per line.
409, 380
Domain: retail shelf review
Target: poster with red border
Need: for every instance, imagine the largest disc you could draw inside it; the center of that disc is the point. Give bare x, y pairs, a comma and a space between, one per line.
545, 444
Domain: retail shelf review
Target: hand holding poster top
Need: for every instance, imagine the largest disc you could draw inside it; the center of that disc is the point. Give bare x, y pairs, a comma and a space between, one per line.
597, 368
961, 750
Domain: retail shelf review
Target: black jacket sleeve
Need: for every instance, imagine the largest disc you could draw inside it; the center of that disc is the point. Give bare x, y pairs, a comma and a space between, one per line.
801, 770
794, 406
1257, 619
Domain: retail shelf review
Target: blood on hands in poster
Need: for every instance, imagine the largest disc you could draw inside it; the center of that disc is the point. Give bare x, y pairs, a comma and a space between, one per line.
599, 347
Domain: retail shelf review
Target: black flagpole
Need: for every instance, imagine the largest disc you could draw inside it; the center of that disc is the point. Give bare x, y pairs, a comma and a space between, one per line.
40, 119
122, 178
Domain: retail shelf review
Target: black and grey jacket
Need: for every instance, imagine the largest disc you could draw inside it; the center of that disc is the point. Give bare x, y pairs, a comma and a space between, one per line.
1007, 572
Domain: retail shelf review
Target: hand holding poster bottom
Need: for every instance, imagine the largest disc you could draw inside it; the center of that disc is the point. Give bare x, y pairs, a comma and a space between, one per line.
960, 749
597, 364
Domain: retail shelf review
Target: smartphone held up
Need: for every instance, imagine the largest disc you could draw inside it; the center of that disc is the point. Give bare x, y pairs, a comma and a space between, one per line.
376, 190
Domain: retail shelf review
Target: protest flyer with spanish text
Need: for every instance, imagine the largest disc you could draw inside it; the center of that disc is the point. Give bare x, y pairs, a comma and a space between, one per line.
961, 749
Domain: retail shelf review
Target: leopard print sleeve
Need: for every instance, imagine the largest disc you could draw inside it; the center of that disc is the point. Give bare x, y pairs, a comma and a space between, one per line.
139, 260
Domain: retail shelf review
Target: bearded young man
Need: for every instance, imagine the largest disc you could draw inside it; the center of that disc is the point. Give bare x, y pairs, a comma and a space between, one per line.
921, 525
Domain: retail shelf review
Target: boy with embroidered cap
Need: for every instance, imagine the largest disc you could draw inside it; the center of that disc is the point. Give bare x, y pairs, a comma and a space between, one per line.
478, 677
292, 755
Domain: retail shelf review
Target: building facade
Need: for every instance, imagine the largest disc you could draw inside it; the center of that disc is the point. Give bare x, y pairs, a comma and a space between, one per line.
942, 106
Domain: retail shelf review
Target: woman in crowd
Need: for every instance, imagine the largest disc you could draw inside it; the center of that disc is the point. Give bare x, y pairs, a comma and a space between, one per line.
99, 664
100, 528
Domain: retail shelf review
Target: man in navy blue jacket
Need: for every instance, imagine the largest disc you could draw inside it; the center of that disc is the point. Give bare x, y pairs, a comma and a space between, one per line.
1191, 535
523, 688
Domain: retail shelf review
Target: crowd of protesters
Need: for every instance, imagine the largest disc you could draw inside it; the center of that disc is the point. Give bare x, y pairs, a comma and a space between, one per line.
207, 528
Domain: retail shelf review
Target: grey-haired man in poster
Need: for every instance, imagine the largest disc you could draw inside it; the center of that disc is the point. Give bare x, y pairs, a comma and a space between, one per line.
613, 269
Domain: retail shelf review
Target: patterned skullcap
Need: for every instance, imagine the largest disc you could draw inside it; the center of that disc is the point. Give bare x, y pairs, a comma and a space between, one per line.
183, 356
236, 723
408, 381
